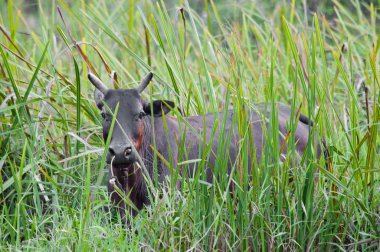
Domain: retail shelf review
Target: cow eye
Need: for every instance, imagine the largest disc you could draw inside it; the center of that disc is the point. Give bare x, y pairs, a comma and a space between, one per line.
141, 115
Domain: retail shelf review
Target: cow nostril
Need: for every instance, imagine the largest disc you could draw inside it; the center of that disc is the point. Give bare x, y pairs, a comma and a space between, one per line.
112, 151
128, 151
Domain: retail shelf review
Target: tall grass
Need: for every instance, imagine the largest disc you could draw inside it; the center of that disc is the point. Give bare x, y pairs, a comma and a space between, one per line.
227, 55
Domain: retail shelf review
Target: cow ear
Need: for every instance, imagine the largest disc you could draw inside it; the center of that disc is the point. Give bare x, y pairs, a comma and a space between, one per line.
159, 107
98, 97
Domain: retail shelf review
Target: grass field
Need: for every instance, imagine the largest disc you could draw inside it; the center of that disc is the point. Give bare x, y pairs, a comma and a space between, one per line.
207, 56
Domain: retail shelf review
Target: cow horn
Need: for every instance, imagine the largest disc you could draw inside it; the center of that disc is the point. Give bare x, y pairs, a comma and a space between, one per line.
145, 82
97, 83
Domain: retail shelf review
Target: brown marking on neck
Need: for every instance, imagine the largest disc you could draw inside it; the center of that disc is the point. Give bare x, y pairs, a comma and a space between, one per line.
140, 139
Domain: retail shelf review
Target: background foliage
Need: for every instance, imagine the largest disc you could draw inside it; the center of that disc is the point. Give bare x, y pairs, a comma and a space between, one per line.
207, 56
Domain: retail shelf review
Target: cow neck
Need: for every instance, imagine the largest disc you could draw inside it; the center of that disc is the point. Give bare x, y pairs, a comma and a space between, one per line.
146, 152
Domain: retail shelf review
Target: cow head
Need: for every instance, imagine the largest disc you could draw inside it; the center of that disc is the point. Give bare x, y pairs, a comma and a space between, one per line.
131, 118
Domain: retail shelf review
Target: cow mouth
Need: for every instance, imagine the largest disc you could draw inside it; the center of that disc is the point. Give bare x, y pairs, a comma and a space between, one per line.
123, 167
120, 163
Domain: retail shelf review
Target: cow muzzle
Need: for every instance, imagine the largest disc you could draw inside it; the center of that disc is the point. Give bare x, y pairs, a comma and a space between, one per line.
120, 154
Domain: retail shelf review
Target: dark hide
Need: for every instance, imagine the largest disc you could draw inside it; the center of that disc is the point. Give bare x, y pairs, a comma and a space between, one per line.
135, 118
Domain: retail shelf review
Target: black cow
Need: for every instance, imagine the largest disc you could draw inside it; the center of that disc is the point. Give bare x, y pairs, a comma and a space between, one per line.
133, 133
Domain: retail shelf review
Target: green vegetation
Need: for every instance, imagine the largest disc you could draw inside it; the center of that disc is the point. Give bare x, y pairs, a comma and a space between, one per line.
206, 57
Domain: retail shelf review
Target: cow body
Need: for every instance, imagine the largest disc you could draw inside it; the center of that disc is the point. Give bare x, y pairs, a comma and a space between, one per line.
168, 139
140, 132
